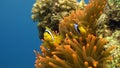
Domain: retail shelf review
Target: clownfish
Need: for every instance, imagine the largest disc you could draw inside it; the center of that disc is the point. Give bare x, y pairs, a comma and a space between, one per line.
48, 35
76, 28
51, 36
79, 29
82, 30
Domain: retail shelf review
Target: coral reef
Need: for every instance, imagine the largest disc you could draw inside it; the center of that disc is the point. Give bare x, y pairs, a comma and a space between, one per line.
108, 27
78, 35
50, 12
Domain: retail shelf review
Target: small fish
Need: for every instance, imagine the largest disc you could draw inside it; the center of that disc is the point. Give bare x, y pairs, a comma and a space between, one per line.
48, 34
77, 28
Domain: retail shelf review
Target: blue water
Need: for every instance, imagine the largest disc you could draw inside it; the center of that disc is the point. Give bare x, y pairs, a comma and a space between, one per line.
18, 34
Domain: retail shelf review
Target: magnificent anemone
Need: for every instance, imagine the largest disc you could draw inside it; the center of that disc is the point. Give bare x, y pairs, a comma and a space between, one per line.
75, 53
86, 18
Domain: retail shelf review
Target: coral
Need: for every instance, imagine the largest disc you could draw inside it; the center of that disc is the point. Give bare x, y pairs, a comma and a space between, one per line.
82, 4
74, 53
50, 12
75, 35
114, 39
108, 27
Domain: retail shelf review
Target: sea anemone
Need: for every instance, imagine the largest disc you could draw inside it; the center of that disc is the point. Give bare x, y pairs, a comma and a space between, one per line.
74, 53
86, 18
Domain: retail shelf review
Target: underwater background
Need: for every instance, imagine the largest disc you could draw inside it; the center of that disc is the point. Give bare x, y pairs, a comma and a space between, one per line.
18, 34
